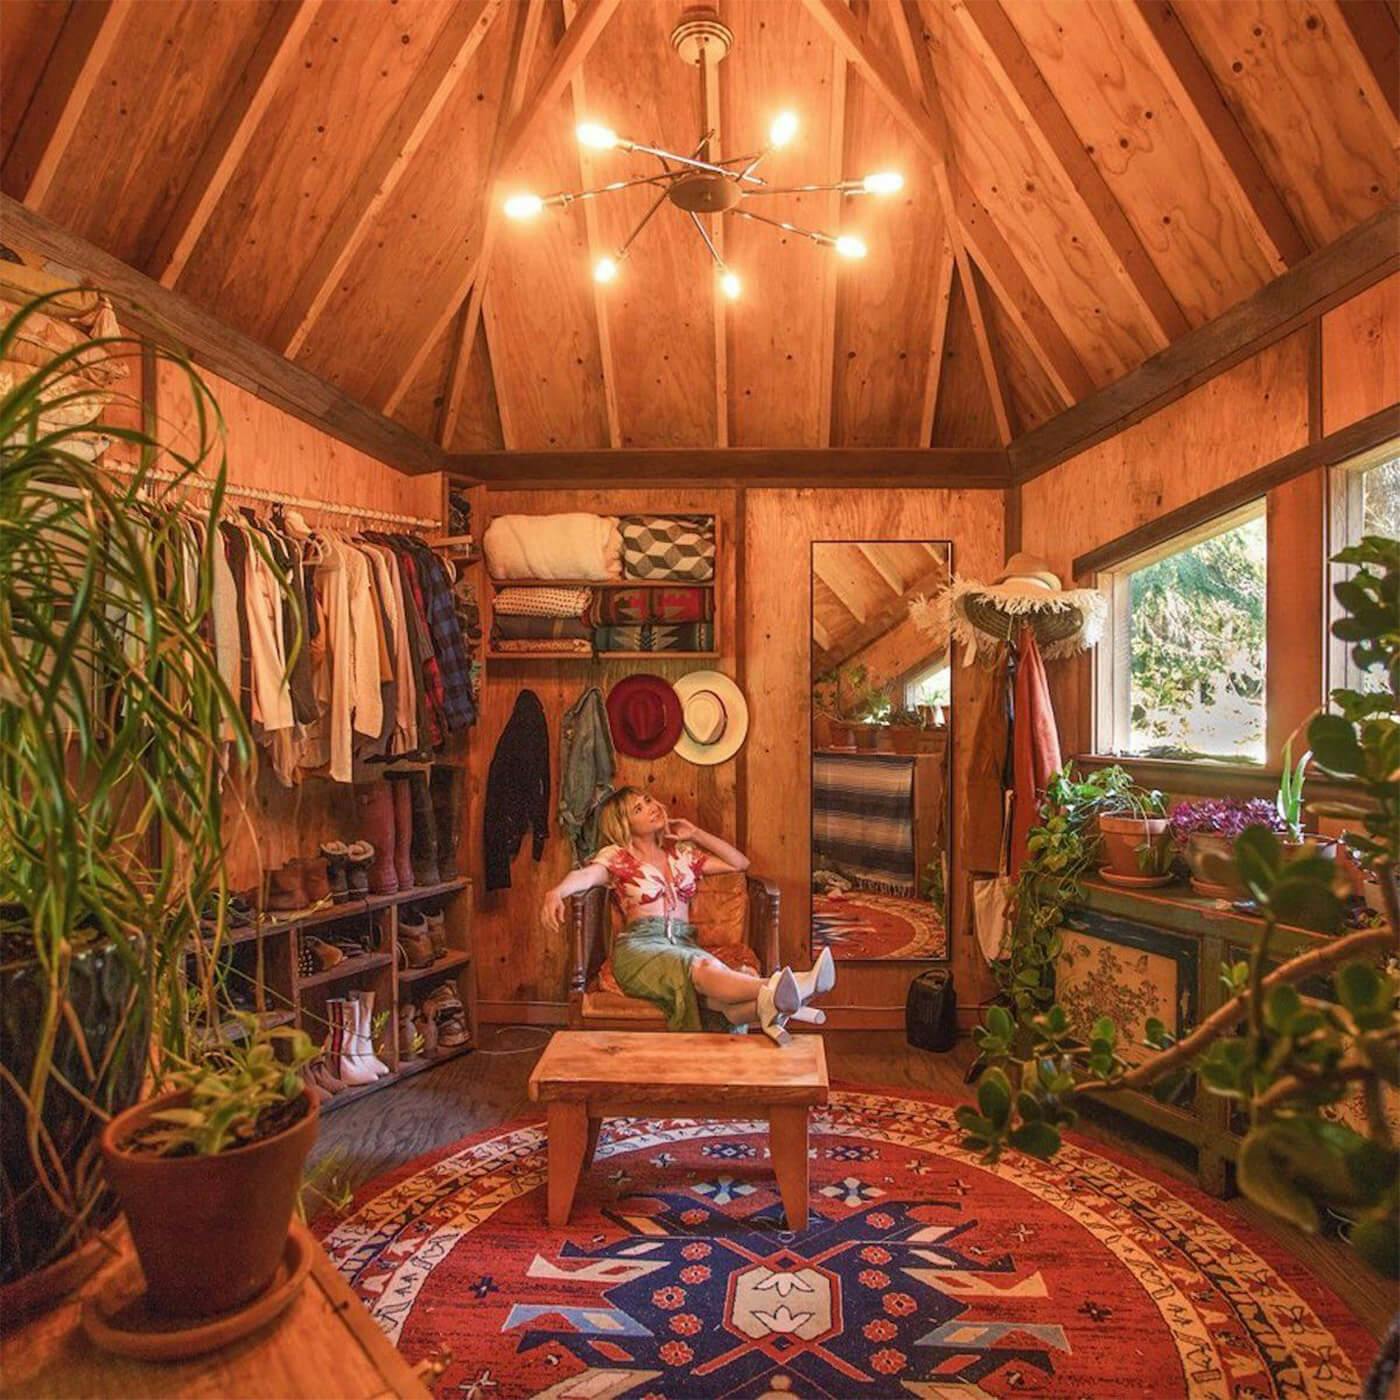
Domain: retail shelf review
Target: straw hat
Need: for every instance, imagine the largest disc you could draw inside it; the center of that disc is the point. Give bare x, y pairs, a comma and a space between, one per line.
1027, 593
716, 718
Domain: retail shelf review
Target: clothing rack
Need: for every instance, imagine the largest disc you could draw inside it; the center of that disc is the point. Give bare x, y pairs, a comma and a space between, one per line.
259, 493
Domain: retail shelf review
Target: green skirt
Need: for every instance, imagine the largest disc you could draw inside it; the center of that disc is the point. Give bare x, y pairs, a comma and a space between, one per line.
653, 963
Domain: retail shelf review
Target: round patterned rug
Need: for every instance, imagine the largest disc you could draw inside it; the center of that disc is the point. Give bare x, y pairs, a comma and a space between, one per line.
922, 1272
864, 925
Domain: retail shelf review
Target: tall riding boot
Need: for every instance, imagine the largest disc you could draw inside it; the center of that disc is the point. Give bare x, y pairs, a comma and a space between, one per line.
425, 846
443, 783
360, 1006
376, 805
403, 831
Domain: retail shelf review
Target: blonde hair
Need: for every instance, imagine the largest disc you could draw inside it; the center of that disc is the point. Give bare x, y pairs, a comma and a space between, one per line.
613, 826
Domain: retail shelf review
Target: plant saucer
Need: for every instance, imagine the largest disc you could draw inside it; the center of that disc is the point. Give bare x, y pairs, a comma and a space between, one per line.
1134, 882
118, 1318
1207, 890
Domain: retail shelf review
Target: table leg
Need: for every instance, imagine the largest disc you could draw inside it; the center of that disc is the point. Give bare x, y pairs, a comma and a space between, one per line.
594, 1127
787, 1141
568, 1142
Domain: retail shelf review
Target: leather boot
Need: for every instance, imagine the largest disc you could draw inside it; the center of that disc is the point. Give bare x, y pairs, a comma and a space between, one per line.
376, 804
286, 887
403, 831
443, 784
414, 940
335, 855
316, 876
437, 931
359, 856
425, 847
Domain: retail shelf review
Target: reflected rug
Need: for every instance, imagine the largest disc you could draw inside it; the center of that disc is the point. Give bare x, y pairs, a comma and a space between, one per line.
922, 1272
865, 925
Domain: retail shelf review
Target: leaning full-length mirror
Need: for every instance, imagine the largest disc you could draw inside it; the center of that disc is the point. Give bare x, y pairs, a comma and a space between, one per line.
881, 717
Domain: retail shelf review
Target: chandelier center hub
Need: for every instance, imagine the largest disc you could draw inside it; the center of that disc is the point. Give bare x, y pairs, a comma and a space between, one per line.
703, 193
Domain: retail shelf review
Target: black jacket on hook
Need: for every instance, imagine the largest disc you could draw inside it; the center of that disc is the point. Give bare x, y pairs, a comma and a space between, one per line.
517, 789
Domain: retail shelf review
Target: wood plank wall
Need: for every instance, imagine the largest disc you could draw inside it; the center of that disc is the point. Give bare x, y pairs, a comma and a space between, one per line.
1316, 380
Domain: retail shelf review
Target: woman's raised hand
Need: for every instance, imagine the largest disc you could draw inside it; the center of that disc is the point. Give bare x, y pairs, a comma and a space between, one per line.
553, 911
678, 829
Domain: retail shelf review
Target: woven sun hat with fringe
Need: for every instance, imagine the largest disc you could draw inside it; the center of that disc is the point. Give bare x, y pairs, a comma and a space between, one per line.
983, 617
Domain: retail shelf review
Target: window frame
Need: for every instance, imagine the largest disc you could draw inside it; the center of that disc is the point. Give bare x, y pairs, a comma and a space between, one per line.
909, 677
1111, 684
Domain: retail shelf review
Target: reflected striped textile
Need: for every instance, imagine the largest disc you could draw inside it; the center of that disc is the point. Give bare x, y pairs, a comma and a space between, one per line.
863, 818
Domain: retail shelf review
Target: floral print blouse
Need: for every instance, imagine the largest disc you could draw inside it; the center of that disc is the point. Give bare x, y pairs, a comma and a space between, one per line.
635, 883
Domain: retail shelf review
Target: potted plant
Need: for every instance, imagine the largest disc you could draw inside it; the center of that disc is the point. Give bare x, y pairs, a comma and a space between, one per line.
1289, 804
112, 766
1205, 832
1133, 825
208, 1173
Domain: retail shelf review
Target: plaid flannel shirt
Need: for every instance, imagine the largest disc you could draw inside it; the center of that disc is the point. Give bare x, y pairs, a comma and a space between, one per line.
458, 707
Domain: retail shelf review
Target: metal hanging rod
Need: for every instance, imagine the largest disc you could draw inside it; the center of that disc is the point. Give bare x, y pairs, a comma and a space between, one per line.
259, 493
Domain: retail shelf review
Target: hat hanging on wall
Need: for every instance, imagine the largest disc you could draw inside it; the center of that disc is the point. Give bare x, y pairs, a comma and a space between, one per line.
716, 718
1027, 593
644, 714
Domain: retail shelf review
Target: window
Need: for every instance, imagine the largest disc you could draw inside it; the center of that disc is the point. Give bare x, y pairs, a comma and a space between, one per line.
1365, 501
929, 685
1180, 673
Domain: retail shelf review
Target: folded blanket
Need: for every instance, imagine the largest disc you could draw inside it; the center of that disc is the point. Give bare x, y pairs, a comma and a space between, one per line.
575, 546
655, 636
510, 628
669, 547
564, 646
656, 604
543, 602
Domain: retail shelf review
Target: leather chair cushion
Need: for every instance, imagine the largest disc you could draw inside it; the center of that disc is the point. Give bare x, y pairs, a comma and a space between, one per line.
720, 911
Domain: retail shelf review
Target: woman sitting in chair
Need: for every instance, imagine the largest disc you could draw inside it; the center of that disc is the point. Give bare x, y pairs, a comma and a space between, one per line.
653, 864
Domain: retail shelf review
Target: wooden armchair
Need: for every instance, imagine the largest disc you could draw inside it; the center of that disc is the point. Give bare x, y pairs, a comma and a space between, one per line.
737, 919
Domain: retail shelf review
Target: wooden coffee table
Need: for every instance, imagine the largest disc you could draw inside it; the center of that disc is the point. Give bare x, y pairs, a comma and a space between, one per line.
586, 1076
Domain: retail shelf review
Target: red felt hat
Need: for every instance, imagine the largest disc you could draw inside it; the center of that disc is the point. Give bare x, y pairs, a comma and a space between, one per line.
644, 713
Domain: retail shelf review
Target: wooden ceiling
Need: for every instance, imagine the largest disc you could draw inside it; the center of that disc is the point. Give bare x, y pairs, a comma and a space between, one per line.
1086, 182
861, 592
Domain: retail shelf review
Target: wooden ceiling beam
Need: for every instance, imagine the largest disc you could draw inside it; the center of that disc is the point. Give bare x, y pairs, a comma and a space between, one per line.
227, 143
1366, 35
1224, 145
838, 586
580, 37
906, 467
997, 44
836, 162
938, 342
886, 617
85, 42
1324, 279
877, 559
461, 36
172, 319
527, 35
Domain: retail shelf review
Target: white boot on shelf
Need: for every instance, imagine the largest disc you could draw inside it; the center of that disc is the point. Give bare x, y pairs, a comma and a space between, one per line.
350, 1064
361, 1004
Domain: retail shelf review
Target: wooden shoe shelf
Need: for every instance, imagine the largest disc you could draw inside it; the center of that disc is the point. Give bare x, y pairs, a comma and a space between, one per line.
284, 997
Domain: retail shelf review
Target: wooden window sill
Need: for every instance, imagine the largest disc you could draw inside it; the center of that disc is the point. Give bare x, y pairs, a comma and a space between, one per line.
1204, 777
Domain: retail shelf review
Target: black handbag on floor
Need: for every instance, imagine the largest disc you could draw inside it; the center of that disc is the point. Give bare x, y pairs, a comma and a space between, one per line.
931, 1011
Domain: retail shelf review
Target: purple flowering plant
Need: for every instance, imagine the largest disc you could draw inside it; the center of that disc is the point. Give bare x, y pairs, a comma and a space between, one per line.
1224, 816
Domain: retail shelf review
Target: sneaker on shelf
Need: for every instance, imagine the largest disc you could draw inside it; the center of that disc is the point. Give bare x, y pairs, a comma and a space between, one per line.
408, 1032
327, 955
307, 965
452, 1032
426, 1029
414, 941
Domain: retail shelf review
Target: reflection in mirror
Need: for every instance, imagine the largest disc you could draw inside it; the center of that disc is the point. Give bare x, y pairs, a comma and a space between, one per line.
881, 711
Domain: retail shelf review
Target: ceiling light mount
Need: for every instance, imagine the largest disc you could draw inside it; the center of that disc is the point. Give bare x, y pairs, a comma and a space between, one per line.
700, 193
701, 37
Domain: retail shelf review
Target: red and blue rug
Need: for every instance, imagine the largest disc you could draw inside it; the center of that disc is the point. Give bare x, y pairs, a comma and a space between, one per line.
862, 925
922, 1272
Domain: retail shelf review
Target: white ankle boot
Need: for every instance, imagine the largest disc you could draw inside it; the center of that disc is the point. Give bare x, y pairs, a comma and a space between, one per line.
819, 980
778, 998
361, 1004
349, 1067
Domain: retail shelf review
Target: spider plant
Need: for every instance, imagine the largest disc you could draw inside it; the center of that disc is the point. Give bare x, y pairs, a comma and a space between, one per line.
116, 732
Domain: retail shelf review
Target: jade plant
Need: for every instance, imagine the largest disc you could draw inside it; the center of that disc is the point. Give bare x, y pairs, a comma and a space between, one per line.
1285, 1057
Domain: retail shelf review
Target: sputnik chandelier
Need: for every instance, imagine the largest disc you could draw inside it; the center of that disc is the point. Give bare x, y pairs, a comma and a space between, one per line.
700, 184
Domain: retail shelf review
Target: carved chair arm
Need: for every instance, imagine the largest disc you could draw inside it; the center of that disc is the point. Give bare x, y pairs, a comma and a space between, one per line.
587, 920
763, 921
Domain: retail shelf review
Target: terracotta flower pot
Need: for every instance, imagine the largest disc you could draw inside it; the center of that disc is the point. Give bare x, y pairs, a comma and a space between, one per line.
209, 1231
1200, 846
1312, 844
1124, 839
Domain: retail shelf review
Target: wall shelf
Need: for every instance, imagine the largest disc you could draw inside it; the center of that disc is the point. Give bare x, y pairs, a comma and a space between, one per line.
599, 583
349, 968
602, 655
455, 959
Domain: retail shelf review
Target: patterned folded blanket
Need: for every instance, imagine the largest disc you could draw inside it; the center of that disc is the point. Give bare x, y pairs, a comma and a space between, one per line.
863, 818
509, 627
571, 546
655, 636
543, 602
656, 604
680, 547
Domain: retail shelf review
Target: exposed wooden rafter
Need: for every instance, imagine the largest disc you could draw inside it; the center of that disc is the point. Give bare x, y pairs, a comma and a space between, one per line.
836, 163
461, 36
172, 319
1369, 40
884, 617
933, 374
839, 583
225, 146
995, 41
1223, 144
85, 42
579, 38
878, 560
527, 32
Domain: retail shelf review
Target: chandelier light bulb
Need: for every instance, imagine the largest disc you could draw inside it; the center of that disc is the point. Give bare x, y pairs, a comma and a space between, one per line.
604, 270
784, 128
523, 206
883, 182
849, 246
731, 285
601, 138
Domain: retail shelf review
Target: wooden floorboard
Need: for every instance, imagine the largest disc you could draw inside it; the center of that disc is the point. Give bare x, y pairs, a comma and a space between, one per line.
487, 1088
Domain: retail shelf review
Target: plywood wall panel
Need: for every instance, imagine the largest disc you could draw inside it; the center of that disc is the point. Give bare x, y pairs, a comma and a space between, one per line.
416, 252
1146, 152
781, 61
135, 143
355, 64
26, 39
479, 419
661, 309
780, 527
885, 308
1361, 355
1284, 73
963, 416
